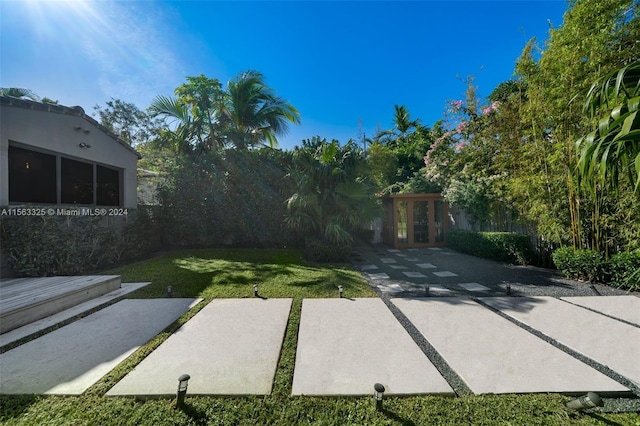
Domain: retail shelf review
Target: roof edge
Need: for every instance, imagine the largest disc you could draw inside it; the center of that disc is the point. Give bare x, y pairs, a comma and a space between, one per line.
76, 111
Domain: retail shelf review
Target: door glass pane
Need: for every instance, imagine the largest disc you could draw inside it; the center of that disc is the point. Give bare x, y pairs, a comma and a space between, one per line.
401, 214
420, 222
439, 221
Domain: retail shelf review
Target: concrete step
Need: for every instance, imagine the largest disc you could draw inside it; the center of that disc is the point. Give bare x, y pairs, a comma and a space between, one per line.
25, 300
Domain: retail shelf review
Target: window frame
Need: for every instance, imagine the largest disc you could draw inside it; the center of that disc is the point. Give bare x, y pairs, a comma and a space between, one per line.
58, 172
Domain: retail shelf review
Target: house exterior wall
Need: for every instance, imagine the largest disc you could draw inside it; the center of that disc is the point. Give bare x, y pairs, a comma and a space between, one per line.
55, 131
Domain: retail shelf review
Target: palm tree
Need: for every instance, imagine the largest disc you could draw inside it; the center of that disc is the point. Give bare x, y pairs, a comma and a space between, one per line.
330, 198
613, 148
18, 92
402, 123
196, 114
254, 113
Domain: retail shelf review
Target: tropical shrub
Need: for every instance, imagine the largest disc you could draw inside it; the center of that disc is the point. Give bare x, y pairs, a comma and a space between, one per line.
500, 246
624, 270
582, 264
331, 199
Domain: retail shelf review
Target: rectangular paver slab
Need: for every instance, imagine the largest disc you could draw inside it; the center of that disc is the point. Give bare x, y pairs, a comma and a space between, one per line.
70, 359
605, 340
50, 321
345, 346
493, 355
626, 308
230, 347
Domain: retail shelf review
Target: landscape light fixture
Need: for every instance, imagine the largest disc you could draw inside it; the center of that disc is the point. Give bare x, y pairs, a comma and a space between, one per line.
589, 400
182, 389
169, 291
340, 291
77, 128
426, 289
84, 145
378, 394
255, 290
508, 289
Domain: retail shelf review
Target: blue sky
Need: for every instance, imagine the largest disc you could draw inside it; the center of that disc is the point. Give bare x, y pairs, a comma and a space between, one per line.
342, 64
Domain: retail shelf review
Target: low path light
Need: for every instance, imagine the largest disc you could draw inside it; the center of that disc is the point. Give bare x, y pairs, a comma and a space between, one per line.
340, 291
589, 400
378, 394
182, 389
169, 291
255, 290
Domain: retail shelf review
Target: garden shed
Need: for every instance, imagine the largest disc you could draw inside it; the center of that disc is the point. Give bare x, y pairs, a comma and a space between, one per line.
415, 220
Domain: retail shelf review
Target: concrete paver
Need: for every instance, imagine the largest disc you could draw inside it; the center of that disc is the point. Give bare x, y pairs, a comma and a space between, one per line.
414, 274
368, 267
230, 347
379, 276
37, 326
626, 308
345, 346
436, 288
70, 359
474, 287
426, 265
605, 340
443, 274
493, 355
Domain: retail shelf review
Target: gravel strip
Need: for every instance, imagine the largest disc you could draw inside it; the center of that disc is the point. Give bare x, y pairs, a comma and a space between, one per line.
455, 381
522, 280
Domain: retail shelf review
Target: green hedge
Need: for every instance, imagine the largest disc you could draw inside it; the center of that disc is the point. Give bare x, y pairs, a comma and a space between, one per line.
72, 245
317, 250
621, 270
501, 246
234, 199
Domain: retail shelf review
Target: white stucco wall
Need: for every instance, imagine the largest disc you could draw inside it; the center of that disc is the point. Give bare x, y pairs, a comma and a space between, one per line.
55, 133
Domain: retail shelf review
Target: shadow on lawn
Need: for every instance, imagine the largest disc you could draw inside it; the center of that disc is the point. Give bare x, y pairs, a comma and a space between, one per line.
13, 406
393, 416
208, 272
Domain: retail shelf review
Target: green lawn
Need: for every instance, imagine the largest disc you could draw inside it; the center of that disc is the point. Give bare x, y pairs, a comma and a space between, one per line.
279, 273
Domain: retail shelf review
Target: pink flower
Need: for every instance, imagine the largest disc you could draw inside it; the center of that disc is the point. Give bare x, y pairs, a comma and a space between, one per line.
460, 128
456, 105
457, 147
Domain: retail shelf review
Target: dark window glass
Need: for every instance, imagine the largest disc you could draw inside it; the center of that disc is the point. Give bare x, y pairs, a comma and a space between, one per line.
32, 176
420, 221
76, 181
108, 190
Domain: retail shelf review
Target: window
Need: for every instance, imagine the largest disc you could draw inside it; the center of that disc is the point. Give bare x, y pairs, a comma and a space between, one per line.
36, 177
32, 176
77, 182
108, 186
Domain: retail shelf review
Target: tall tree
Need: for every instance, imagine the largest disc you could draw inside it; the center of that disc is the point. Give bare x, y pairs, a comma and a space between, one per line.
194, 115
127, 121
254, 113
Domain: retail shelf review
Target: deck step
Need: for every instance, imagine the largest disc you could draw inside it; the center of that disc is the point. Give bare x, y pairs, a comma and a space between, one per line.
25, 300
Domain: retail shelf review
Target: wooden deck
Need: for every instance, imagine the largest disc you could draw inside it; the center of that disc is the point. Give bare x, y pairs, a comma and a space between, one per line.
24, 300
